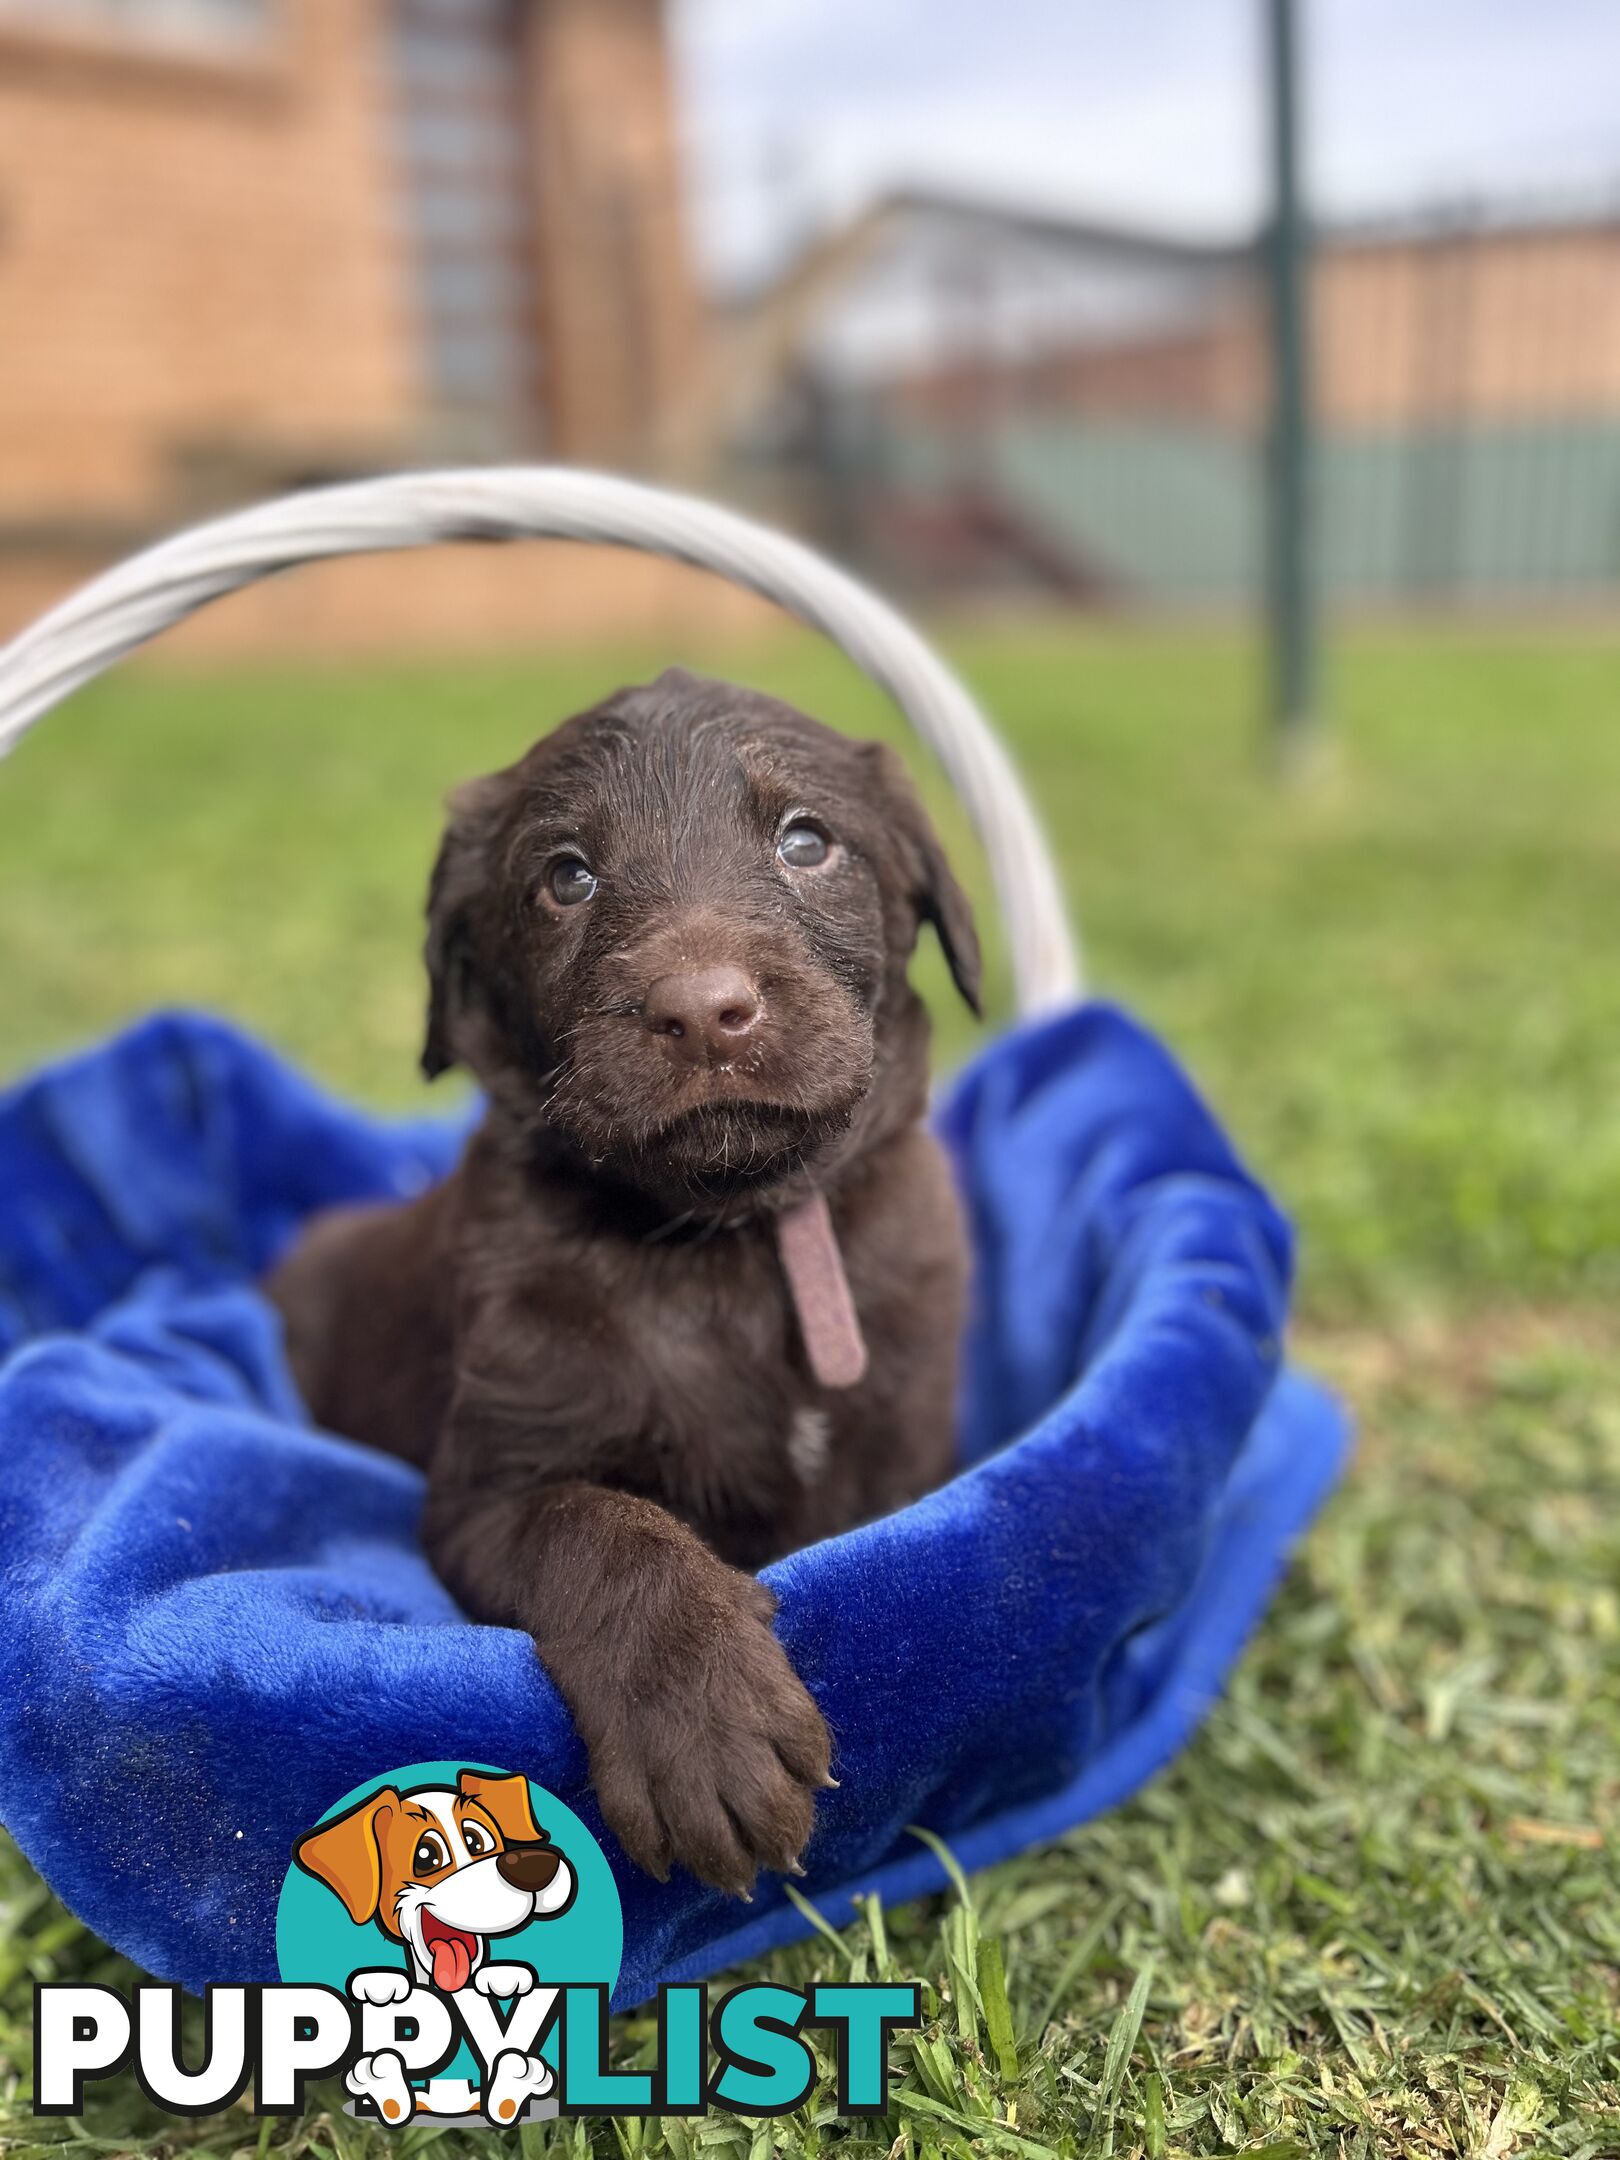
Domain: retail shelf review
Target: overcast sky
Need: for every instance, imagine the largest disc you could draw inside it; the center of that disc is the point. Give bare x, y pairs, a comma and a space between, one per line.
797, 110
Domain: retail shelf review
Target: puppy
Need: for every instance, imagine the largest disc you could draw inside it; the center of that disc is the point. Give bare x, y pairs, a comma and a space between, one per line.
693, 1296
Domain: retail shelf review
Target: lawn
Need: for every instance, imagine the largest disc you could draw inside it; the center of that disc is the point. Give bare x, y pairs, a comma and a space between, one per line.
1376, 1907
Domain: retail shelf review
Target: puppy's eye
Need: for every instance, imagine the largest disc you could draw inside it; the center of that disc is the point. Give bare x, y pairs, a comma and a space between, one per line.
569, 881
476, 1841
431, 1854
803, 845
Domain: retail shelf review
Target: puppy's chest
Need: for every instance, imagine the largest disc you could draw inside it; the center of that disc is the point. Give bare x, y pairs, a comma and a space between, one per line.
712, 1408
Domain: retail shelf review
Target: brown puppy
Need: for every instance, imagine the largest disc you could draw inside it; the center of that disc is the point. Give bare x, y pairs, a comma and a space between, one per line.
671, 943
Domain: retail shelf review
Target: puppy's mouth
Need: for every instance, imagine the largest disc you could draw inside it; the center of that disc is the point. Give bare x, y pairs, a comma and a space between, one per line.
711, 1137
735, 1142
701, 1131
722, 1117
451, 1952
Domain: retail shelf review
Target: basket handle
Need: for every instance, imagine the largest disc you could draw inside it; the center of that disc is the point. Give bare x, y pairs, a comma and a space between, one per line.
162, 585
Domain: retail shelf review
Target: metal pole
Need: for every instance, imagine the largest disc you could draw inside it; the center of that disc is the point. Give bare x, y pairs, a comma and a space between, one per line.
1291, 579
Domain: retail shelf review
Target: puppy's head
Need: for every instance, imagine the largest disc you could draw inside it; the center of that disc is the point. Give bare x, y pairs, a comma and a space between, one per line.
677, 931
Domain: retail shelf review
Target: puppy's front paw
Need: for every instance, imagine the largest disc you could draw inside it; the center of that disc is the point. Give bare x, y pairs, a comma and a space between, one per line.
711, 1755
503, 1980
386, 1985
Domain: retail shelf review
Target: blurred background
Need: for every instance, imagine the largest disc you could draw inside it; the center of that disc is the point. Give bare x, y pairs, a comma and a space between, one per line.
1214, 377
977, 296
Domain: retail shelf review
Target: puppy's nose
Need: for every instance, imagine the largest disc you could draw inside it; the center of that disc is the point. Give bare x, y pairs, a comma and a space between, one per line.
528, 1867
703, 1014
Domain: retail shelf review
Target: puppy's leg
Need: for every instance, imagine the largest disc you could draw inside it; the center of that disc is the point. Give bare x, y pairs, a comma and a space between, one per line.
705, 1749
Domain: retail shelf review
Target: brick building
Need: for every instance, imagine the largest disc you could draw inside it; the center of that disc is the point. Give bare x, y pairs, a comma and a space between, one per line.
246, 244
1448, 321
969, 396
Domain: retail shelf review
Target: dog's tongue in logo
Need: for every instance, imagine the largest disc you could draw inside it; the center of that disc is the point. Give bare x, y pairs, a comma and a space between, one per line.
460, 1885
452, 1951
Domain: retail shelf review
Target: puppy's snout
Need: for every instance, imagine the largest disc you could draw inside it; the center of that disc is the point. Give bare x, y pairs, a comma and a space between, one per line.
529, 1867
702, 1015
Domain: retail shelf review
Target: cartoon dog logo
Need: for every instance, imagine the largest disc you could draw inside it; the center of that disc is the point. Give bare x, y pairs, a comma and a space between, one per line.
443, 1871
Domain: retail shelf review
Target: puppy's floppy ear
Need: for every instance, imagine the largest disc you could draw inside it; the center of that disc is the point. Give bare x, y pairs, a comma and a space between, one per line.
506, 1801
346, 1853
934, 891
458, 878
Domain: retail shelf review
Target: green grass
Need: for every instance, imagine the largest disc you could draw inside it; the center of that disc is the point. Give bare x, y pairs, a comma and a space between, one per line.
1375, 1908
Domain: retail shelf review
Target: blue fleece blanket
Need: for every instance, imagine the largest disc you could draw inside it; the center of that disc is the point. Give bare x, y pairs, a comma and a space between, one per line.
216, 1619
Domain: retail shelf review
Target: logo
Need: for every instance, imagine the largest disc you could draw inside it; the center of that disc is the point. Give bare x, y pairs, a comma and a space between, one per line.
452, 1903
449, 1938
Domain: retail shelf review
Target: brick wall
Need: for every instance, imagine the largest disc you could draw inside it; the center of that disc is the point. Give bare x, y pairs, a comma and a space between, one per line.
1505, 326
623, 338
208, 290
1493, 327
195, 256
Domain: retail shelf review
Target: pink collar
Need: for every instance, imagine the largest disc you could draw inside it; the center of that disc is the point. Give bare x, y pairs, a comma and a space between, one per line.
814, 1268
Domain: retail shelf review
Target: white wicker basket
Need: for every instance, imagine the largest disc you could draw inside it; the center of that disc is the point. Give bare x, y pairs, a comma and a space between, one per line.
164, 584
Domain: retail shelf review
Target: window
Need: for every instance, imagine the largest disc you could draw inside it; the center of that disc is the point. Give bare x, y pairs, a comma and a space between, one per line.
464, 158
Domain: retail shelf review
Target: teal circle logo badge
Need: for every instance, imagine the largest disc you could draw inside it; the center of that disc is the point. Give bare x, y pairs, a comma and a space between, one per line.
450, 1903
